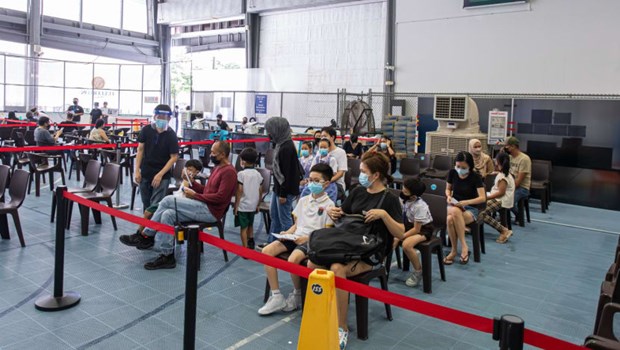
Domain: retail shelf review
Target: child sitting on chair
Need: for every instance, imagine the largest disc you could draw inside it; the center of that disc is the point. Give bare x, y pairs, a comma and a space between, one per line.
417, 213
192, 168
249, 194
310, 215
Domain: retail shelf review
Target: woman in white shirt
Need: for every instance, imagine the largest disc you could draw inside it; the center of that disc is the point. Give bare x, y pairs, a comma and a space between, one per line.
98, 134
501, 196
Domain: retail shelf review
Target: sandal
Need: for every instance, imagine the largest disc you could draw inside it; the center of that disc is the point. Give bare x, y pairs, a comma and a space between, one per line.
465, 259
447, 261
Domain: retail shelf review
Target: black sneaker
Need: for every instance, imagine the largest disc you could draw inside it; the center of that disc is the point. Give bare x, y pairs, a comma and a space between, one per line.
137, 240
162, 262
251, 244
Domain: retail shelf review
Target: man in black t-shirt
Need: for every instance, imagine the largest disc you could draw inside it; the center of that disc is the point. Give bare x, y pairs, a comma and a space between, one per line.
76, 110
95, 113
158, 150
222, 124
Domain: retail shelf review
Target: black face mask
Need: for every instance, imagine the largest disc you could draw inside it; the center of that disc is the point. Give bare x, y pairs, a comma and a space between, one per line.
353, 139
506, 150
214, 160
316, 140
405, 197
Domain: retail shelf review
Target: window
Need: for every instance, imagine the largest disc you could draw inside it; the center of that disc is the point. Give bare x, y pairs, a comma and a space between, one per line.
79, 75
106, 76
152, 77
135, 16
105, 13
50, 99
67, 9
474, 3
19, 5
130, 103
131, 77
16, 70
150, 101
51, 73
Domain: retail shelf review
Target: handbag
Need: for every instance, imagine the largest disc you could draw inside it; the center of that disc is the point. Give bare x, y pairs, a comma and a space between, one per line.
351, 239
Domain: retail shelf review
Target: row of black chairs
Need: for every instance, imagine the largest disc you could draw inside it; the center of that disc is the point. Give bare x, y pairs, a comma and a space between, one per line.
603, 337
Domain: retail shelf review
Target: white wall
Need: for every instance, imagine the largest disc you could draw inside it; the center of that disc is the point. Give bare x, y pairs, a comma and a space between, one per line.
326, 49
545, 46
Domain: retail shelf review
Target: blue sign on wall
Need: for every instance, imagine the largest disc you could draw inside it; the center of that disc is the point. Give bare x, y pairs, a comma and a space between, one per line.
260, 104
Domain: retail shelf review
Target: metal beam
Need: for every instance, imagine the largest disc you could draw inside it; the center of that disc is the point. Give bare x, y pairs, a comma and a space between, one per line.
13, 19
252, 39
112, 36
216, 46
101, 48
34, 51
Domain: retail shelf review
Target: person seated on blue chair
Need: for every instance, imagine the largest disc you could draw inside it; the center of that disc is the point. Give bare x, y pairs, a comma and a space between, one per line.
310, 215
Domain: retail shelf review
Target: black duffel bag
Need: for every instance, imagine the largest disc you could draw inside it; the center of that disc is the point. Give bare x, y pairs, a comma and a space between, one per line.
352, 239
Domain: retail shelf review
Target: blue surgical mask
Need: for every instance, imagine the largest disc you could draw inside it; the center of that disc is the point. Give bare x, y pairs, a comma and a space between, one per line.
323, 152
315, 188
461, 172
364, 180
383, 145
305, 153
161, 124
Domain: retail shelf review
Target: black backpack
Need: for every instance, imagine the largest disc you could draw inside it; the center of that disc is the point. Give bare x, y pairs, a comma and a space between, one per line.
350, 240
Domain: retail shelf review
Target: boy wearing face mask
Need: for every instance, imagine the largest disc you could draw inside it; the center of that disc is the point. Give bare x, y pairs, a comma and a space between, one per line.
418, 214
323, 156
310, 215
306, 158
158, 150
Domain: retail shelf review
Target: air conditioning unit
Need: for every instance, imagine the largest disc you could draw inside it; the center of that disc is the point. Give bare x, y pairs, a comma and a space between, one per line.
458, 123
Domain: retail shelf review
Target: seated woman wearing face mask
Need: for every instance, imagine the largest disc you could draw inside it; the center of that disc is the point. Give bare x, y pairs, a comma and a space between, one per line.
482, 162
385, 146
464, 190
387, 221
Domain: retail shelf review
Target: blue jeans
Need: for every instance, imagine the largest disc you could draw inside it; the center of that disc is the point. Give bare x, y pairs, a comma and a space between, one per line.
520, 192
150, 195
281, 218
186, 209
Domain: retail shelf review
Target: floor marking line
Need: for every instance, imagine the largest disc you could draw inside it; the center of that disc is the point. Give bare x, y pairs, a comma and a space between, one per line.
575, 226
262, 332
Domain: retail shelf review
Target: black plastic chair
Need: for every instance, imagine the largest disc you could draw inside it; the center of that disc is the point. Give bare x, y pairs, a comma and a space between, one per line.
17, 192
5, 170
269, 159
361, 303
603, 337
220, 223
91, 181
177, 175
42, 163
440, 167
428, 247
540, 183
435, 186
409, 167
108, 183
425, 161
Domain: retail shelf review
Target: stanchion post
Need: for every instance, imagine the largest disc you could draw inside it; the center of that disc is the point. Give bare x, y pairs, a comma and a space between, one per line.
191, 287
60, 300
118, 204
509, 331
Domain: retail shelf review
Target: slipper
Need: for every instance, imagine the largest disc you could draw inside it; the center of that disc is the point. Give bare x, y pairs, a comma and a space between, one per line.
465, 259
447, 261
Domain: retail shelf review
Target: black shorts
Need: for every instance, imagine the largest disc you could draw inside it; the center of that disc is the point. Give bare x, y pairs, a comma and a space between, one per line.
291, 245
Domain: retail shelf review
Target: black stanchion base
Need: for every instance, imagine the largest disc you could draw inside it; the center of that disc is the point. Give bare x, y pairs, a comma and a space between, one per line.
49, 303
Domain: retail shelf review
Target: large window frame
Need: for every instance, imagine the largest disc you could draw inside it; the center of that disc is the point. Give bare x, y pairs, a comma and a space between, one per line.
127, 22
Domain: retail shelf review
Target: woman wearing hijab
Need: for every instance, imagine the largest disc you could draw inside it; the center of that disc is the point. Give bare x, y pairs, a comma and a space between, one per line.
287, 173
482, 162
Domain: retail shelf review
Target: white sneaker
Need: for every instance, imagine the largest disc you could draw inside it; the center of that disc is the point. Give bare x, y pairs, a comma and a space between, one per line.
293, 302
275, 303
343, 336
414, 278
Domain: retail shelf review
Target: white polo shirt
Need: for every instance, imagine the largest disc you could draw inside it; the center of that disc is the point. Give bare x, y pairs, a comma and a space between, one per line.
311, 214
342, 161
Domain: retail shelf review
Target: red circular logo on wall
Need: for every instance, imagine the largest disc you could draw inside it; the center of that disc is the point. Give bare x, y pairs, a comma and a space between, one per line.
98, 83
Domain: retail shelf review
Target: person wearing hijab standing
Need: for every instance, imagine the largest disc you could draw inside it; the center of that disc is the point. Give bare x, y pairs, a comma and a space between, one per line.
482, 162
287, 172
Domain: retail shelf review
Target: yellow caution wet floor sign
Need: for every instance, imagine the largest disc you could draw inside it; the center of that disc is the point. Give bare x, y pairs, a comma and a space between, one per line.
319, 323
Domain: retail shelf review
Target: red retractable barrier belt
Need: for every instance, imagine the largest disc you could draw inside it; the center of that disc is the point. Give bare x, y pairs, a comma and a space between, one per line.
461, 318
